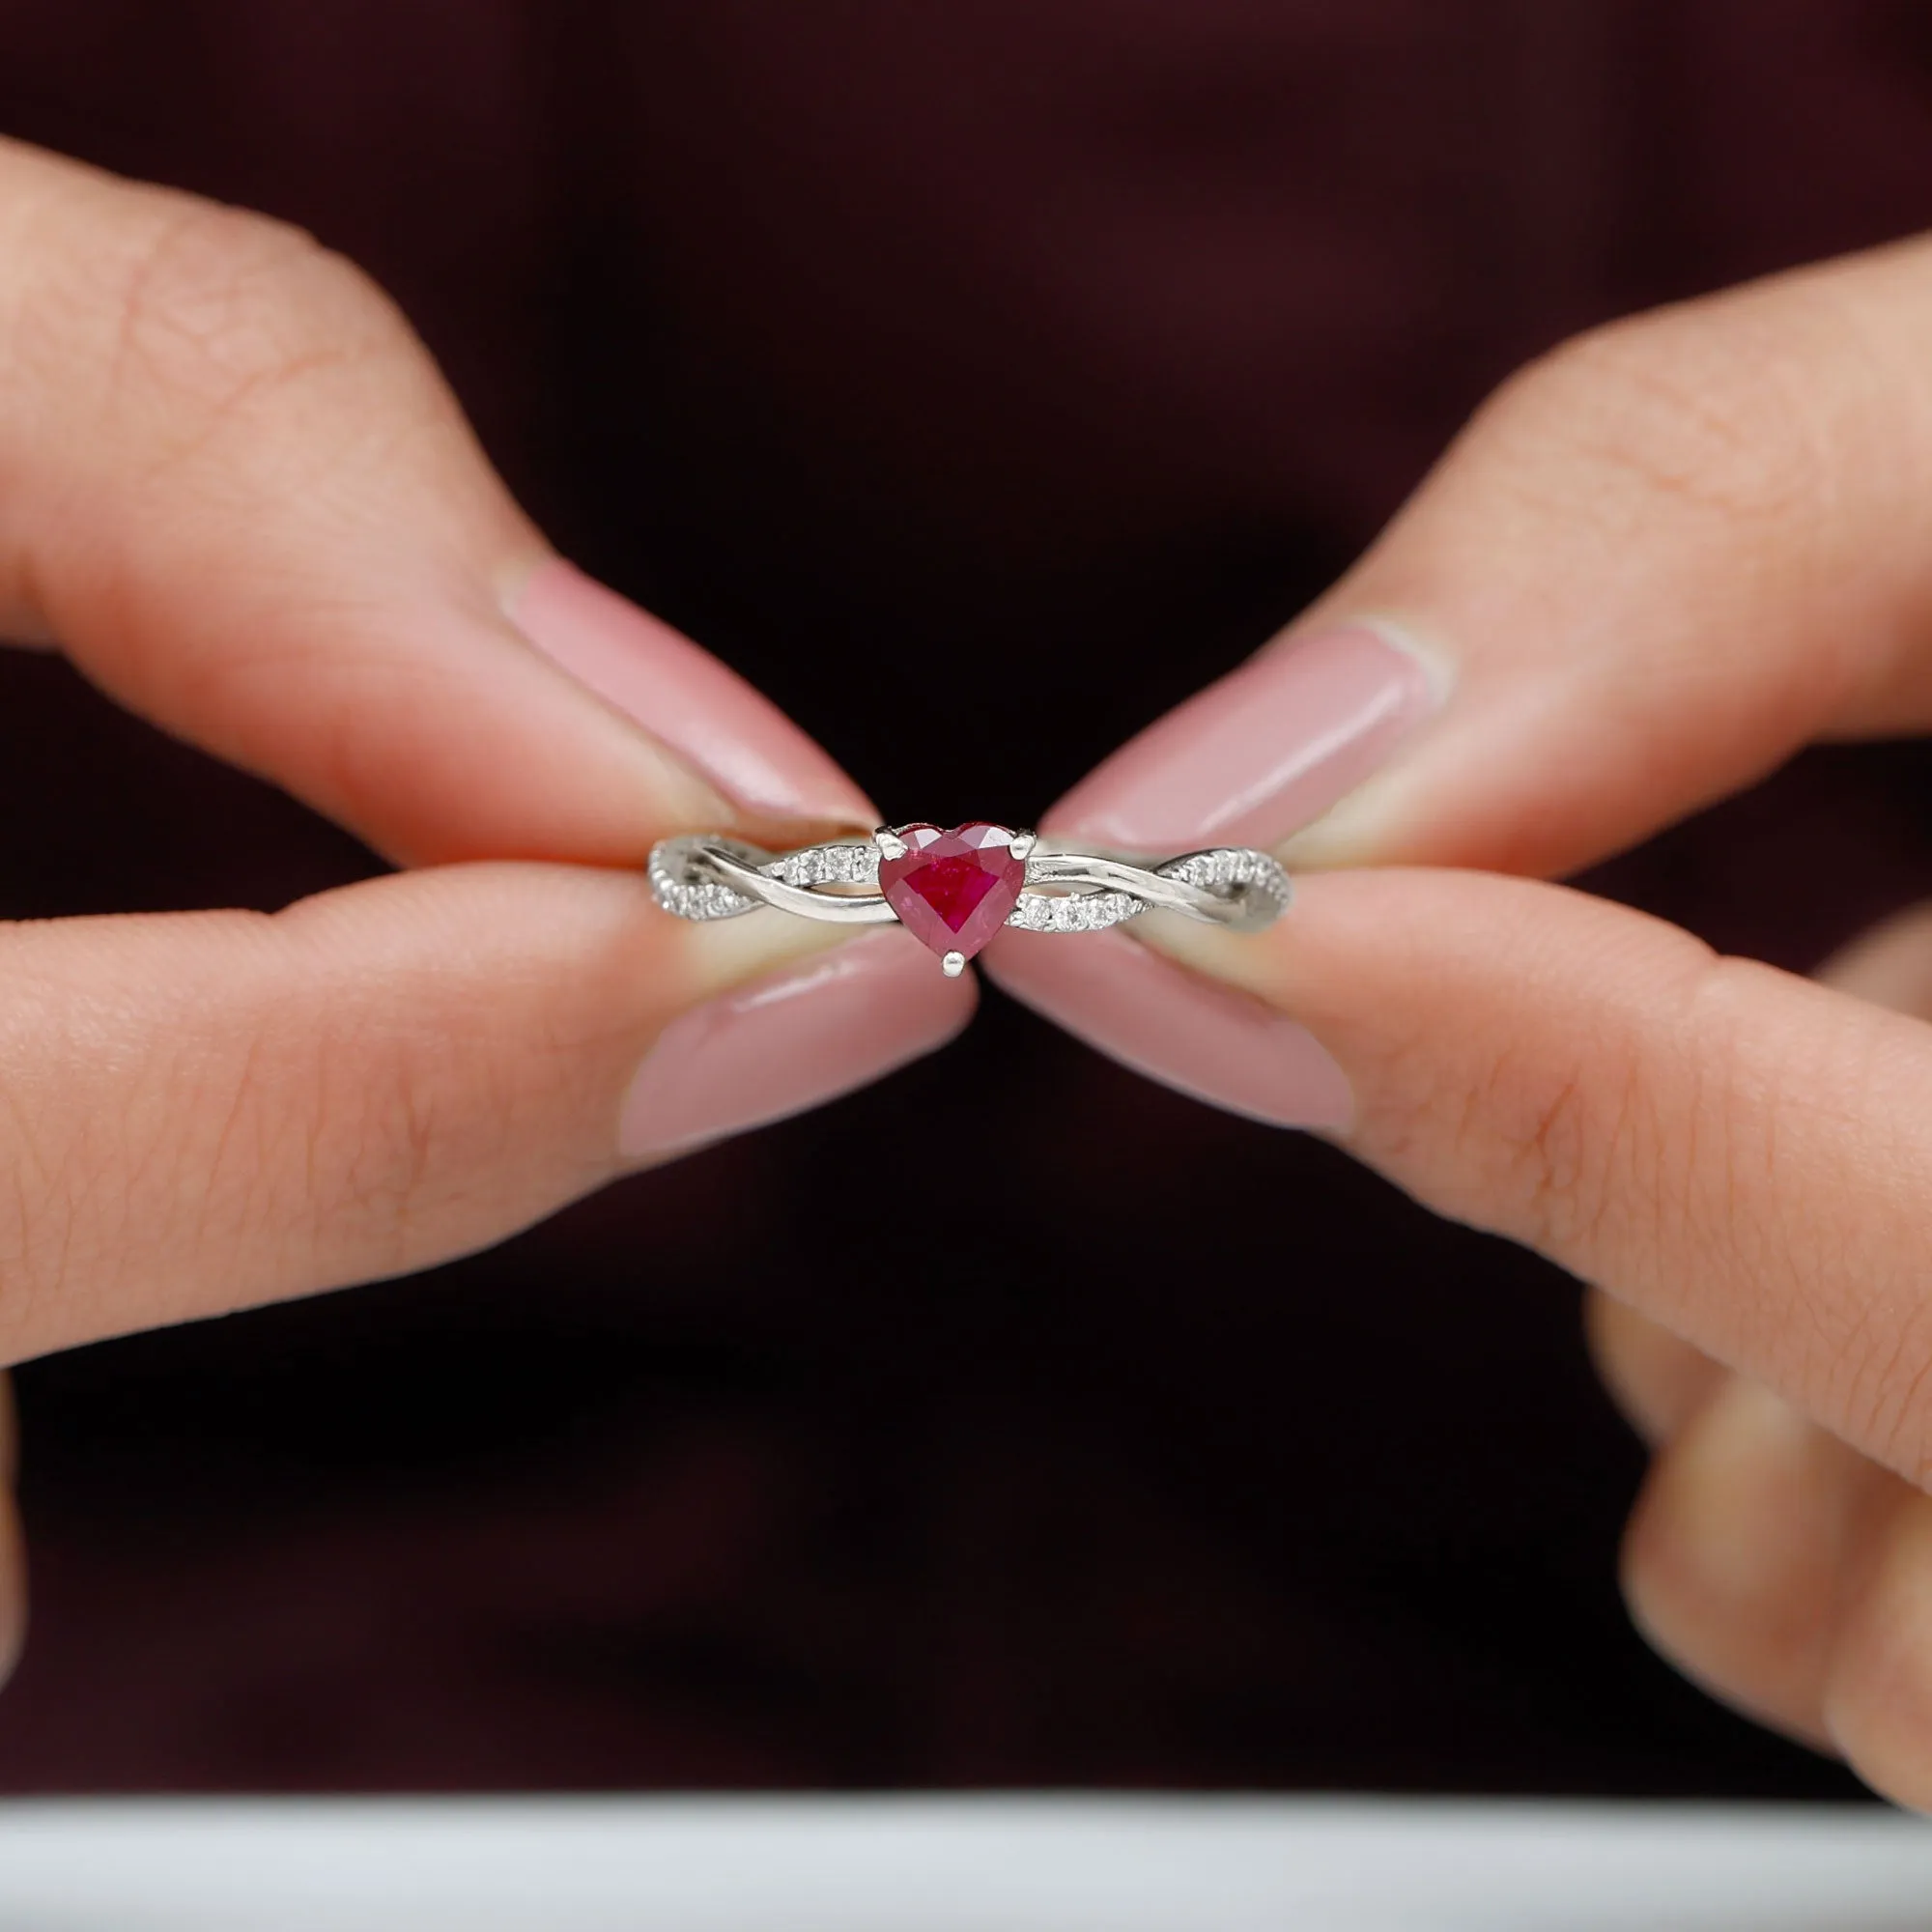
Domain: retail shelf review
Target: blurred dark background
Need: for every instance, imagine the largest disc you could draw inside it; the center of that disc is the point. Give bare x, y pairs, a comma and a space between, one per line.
860, 338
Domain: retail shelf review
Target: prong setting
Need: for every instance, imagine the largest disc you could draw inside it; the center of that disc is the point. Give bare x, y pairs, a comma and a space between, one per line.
891, 845
952, 964
1021, 845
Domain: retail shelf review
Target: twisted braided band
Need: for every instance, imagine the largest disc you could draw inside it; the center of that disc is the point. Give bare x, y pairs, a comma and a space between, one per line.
955, 889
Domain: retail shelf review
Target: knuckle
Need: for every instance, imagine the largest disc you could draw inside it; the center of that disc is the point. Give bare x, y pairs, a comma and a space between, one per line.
214, 307
1709, 415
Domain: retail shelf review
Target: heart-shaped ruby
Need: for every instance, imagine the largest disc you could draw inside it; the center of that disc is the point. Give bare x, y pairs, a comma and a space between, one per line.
954, 890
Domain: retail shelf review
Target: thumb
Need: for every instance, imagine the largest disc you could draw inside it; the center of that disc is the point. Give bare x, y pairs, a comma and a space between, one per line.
1655, 564
1736, 1152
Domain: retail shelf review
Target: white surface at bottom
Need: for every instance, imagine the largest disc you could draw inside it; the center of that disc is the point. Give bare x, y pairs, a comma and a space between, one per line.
994, 1864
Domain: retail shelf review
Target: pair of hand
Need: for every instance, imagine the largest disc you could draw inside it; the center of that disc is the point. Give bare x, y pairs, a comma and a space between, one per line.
236, 493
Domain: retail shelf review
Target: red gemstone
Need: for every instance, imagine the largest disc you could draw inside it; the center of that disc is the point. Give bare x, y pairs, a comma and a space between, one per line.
954, 890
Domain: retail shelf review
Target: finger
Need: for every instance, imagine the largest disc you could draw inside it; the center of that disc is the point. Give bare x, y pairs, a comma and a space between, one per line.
235, 489
1890, 965
1737, 1154
1656, 563
1740, 1552
1756, 1527
1878, 1686
1656, 1379
203, 1112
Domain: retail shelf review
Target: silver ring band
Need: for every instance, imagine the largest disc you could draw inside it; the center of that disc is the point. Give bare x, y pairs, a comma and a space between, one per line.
709, 876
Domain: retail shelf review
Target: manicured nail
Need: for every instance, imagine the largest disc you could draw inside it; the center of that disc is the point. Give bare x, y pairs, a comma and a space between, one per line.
685, 698
780, 1045
1220, 1045
1253, 759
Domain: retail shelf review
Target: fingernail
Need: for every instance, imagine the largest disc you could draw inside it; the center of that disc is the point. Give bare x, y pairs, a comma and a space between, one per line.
787, 1041
1208, 1040
685, 698
1253, 759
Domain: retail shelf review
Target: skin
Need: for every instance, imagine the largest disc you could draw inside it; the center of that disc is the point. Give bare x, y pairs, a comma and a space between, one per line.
235, 492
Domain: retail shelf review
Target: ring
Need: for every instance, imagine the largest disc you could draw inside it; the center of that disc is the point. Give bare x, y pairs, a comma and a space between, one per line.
954, 890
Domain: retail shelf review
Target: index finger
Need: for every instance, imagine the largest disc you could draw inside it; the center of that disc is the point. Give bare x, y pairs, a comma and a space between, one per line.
236, 491
1656, 563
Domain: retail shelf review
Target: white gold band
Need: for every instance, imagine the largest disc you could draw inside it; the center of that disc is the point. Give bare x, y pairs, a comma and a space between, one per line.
709, 876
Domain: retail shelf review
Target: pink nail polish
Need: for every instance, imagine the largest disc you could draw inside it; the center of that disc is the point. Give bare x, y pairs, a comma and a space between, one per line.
1253, 759
790, 1041
1220, 1045
685, 698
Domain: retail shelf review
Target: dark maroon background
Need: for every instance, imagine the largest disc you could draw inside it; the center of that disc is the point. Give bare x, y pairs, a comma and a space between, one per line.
867, 340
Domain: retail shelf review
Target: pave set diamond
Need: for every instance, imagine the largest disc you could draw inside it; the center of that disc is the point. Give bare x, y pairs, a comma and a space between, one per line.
680, 885
836, 864
1231, 870
1072, 912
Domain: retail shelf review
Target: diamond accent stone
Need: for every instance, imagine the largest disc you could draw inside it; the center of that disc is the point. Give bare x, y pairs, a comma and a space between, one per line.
828, 865
1076, 912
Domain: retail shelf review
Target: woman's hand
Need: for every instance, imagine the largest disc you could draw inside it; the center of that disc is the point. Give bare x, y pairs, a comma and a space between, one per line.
234, 490
1656, 564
